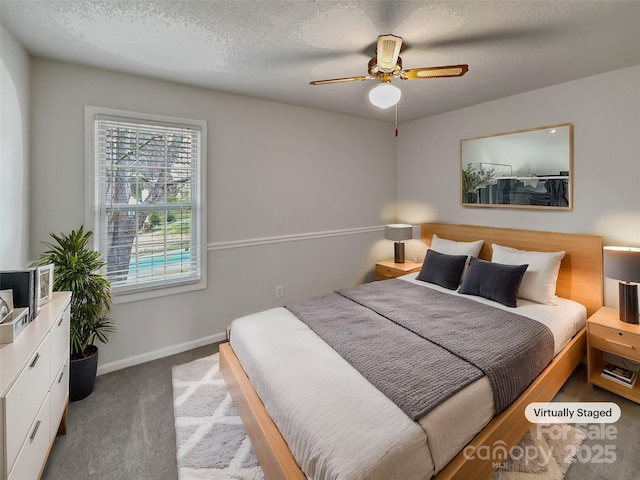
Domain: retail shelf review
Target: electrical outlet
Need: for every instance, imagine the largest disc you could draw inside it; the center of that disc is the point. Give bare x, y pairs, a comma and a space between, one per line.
279, 291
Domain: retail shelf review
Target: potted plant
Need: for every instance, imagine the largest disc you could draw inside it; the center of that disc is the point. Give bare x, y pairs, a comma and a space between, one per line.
473, 179
77, 269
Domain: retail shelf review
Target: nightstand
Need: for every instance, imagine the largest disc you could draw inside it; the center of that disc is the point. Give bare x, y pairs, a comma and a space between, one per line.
606, 333
386, 269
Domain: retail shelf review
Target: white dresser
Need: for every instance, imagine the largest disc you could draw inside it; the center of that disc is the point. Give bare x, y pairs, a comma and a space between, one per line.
34, 391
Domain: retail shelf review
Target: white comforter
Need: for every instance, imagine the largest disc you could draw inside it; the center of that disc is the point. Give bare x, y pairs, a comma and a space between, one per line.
337, 425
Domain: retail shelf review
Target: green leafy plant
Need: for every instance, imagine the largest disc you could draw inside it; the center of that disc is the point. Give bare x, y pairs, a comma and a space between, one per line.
77, 269
475, 178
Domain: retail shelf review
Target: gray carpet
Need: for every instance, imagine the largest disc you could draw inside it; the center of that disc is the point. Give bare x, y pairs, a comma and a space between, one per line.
125, 430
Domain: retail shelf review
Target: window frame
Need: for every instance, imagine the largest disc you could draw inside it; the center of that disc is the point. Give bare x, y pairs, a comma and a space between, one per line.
124, 294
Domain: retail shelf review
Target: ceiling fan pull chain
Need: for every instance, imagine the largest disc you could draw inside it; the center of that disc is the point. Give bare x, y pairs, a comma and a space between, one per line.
396, 120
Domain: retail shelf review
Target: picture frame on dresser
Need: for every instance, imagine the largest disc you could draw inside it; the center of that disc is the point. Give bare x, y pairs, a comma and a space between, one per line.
6, 301
25, 286
45, 282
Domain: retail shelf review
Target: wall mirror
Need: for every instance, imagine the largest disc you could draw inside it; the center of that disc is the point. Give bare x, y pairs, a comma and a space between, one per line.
521, 169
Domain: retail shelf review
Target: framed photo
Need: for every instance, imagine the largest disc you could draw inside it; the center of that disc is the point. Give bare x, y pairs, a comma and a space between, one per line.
6, 304
45, 279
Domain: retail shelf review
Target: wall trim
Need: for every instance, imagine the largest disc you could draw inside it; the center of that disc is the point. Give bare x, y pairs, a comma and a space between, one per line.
160, 353
251, 242
219, 337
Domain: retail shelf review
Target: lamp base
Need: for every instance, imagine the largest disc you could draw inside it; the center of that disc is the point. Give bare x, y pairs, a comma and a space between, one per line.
398, 252
628, 302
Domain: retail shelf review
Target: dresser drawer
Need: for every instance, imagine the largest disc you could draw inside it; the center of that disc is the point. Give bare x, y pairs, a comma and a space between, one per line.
59, 343
383, 272
615, 341
386, 269
59, 393
25, 399
30, 460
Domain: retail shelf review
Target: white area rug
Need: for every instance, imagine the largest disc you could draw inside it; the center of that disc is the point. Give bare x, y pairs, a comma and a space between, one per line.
210, 439
544, 453
213, 445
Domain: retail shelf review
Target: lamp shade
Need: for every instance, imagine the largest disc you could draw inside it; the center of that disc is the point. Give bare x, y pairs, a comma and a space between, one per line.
385, 95
398, 232
622, 263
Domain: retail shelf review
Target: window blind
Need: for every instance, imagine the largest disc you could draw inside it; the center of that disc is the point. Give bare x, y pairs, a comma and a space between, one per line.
147, 202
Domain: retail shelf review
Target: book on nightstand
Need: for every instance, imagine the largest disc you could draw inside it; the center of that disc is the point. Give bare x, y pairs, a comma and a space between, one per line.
619, 375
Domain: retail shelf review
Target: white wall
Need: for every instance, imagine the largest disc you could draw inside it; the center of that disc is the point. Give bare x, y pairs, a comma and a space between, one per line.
14, 153
605, 111
317, 179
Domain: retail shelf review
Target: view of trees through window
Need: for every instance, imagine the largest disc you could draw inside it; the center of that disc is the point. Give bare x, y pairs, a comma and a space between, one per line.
147, 194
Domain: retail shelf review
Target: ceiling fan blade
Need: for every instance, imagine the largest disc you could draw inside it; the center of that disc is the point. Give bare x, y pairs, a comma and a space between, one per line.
434, 72
488, 38
339, 80
387, 52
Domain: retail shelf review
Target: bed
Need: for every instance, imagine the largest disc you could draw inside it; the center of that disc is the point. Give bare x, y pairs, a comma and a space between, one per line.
579, 280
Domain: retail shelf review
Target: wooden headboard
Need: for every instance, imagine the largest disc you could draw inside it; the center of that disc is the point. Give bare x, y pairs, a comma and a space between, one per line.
580, 277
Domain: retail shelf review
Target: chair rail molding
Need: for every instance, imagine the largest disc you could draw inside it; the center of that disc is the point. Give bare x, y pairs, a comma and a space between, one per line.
296, 237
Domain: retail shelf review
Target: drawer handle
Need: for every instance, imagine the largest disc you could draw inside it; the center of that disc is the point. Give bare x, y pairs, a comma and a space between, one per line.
61, 320
35, 360
35, 431
60, 378
620, 344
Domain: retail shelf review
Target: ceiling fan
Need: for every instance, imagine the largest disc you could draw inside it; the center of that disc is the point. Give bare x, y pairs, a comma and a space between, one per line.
387, 65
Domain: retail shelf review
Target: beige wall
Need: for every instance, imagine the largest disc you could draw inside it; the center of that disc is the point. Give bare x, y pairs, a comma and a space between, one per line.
605, 111
304, 192
299, 187
14, 153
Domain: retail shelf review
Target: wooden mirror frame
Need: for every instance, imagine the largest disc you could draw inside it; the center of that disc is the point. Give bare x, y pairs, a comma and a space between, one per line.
552, 190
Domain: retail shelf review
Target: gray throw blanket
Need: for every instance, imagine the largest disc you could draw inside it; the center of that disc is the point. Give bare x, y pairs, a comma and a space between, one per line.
419, 346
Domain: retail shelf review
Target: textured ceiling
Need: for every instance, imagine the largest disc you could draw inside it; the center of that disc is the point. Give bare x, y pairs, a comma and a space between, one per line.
273, 49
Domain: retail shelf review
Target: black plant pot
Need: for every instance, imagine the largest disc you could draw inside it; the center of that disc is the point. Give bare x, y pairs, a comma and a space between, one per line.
82, 375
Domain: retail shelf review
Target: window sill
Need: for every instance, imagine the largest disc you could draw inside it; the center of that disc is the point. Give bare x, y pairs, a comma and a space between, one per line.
140, 295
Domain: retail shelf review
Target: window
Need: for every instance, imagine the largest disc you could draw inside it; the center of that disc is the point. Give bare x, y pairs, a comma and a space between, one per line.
147, 198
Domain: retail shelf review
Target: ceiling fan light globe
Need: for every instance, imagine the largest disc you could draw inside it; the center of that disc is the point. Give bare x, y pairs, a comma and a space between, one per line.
384, 95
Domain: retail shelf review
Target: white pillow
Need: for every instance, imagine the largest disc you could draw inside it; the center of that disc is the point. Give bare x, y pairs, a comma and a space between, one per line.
539, 281
449, 247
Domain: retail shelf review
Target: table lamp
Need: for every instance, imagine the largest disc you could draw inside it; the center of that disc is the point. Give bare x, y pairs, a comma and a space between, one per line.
623, 264
398, 232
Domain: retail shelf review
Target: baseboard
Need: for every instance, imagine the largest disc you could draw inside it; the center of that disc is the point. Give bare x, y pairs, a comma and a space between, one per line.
160, 353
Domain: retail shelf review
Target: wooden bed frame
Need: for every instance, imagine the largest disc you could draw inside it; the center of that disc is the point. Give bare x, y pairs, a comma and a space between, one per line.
580, 279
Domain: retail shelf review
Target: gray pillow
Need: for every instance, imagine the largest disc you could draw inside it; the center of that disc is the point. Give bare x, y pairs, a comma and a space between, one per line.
495, 281
441, 269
